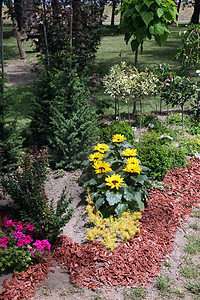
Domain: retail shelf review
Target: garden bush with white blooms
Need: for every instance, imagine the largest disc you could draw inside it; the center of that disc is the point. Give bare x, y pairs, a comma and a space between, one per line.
126, 83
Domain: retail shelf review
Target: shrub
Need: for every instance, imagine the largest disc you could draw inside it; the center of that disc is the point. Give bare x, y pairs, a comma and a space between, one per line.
116, 127
63, 118
116, 179
178, 158
176, 119
190, 145
26, 188
17, 250
154, 137
156, 159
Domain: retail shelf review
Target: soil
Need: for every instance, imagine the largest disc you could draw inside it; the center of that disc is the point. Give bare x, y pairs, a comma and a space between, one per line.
58, 286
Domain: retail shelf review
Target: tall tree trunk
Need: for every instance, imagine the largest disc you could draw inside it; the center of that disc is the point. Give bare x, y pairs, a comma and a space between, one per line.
113, 13
17, 32
195, 16
2, 76
178, 9
45, 33
2, 58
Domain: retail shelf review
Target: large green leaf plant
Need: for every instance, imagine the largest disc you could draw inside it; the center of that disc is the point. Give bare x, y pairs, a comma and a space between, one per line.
144, 19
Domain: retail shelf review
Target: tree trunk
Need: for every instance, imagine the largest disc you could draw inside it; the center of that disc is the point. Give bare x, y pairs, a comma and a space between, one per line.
17, 33
195, 16
113, 13
2, 58
136, 58
178, 9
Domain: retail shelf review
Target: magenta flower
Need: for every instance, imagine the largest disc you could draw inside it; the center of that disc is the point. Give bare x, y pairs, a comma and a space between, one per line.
19, 227
46, 244
9, 223
28, 239
20, 242
18, 235
3, 242
29, 226
38, 245
42, 244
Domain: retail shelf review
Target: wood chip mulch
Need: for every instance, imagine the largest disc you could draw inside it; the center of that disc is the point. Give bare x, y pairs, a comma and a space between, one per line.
135, 262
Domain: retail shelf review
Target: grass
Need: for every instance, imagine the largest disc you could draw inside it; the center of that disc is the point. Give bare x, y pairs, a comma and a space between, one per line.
193, 246
135, 293
189, 271
194, 288
10, 45
164, 283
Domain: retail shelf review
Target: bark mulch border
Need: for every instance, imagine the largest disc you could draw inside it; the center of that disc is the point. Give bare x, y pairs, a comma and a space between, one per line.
132, 263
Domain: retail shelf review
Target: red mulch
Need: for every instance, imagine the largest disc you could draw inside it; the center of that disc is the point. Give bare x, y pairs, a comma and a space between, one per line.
137, 261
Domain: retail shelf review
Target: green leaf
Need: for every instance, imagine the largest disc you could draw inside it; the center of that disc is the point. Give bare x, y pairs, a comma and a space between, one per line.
113, 197
158, 1
138, 7
138, 199
147, 17
152, 30
128, 193
99, 202
134, 45
139, 178
120, 209
160, 12
148, 2
159, 28
140, 34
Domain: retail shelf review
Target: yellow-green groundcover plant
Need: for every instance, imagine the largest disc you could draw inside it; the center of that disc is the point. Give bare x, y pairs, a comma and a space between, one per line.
115, 177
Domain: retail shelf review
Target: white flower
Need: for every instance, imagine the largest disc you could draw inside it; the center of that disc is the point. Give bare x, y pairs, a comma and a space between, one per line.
151, 125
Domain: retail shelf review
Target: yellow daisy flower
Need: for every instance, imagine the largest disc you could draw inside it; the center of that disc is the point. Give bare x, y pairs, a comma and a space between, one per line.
129, 152
114, 181
102, 167
101, 148
132, 160
96, 156
117, 138
132, 168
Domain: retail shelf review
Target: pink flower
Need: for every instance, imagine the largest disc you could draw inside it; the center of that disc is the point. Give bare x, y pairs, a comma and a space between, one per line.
3, 242
28, 239
18, 235
42, 244
9, 223
29, 226
38, 245
20, 242
19, 227
46, 244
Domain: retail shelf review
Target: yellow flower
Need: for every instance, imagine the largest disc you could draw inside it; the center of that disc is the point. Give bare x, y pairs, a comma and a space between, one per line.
102, 167
132, 168
129, 152
96, 156
132, 160
117, 138
114, 181
101, 148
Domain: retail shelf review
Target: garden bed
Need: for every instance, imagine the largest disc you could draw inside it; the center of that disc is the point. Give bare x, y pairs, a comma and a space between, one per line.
137, 262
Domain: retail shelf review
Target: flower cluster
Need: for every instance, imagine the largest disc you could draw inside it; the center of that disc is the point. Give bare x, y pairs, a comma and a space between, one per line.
16, 246
117, 180
110, 230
